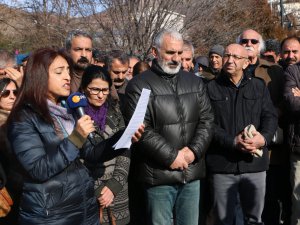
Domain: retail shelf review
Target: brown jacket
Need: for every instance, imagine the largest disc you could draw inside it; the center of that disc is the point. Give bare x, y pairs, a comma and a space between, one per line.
272, 74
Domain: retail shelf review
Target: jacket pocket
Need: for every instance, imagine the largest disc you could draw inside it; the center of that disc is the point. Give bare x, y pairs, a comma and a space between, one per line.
251, 106
219, 102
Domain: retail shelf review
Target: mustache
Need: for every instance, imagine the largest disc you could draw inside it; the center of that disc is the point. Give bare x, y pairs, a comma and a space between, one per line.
172, 63
83, 60
249, 48
118, 80
290, 60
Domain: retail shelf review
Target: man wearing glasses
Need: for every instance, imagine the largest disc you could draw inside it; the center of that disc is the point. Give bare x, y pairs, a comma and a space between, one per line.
234, 168
272, 74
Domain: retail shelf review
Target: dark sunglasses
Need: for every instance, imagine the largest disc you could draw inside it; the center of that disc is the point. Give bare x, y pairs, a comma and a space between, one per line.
118, 72
246, 41
6, 93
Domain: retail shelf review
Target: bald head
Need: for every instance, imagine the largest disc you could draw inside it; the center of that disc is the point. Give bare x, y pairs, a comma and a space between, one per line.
238, 49
235, 60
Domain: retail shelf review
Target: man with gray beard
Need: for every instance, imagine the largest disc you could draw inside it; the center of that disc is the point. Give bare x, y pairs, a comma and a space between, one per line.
170, 154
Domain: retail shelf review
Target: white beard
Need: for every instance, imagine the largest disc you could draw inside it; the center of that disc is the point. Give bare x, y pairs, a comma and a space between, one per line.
165, 67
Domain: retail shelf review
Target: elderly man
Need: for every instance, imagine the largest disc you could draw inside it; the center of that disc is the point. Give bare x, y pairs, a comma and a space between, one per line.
187, 56
290, 51
178, 131
79, 46
234, 167
272, 74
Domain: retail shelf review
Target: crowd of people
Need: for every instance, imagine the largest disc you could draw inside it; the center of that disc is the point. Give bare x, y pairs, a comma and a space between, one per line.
218, 146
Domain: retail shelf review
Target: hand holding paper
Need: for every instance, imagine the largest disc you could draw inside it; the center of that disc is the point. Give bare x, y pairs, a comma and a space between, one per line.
135, 122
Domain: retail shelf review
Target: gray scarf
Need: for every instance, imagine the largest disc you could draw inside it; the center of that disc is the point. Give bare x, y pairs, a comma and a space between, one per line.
62, 116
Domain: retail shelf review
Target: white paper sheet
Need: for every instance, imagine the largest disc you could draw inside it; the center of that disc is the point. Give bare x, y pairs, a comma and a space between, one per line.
136, 120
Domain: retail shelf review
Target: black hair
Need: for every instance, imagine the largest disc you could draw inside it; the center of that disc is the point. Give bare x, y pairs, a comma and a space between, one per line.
6, 81
92, 72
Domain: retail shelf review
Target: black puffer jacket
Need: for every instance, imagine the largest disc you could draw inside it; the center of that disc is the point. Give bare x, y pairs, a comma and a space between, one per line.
178, 115
235, 108
57, 186
292, 80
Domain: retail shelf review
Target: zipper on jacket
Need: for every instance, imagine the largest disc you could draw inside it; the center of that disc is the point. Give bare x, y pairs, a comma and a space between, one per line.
184, 176
234, 116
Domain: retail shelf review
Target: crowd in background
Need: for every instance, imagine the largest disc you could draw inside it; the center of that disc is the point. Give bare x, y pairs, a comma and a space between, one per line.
219, 144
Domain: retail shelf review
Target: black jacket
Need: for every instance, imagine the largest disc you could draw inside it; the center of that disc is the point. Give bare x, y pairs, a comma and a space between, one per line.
178, 115
57, 186
235, 108
292, 80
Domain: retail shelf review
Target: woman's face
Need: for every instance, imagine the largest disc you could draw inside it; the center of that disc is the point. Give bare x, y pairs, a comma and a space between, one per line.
97, 92
8, 97
59, 79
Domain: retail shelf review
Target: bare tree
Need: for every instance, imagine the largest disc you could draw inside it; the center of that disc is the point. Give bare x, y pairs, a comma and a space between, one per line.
131, 24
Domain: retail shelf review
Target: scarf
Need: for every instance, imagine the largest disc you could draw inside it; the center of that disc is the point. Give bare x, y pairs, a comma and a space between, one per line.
62, 116
98, 114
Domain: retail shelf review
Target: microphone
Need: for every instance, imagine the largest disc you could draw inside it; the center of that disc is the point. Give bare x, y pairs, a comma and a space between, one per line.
77, 101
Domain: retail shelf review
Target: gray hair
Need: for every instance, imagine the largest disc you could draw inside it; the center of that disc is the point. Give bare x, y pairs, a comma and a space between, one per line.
157, 42
75, 33
188, 46
261, 46
6, 57
116, 55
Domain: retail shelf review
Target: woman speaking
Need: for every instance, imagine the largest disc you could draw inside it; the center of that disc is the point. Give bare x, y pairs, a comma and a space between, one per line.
48, 142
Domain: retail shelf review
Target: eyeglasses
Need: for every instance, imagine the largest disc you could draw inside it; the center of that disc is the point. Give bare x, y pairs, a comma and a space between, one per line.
6, 93
235, 57
118, 72
95, 91
246, 41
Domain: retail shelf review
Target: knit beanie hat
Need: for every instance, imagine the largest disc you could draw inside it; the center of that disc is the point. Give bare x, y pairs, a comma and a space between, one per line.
217, 49
202, 61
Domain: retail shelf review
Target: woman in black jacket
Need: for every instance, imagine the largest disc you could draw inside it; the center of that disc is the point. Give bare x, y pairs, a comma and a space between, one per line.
48, 142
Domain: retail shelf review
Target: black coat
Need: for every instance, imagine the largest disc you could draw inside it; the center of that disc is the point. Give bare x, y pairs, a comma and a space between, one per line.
178, 115
235, 108
57, 186
292, 80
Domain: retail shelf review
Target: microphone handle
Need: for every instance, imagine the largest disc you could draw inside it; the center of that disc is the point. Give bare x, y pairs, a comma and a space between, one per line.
81, 113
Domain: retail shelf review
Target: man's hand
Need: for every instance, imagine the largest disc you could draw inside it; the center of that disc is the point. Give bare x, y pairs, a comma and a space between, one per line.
241, 145
296, 92
180, 162
138, 134
256, 142
189, 155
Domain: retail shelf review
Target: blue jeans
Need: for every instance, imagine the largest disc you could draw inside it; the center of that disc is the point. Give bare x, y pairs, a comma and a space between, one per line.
182, 199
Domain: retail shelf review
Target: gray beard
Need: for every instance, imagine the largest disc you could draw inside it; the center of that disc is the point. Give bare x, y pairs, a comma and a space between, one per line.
167, 69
